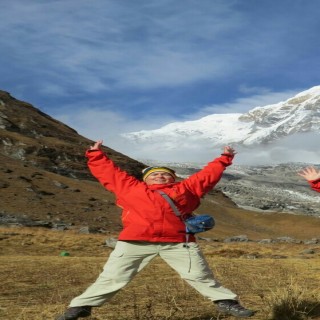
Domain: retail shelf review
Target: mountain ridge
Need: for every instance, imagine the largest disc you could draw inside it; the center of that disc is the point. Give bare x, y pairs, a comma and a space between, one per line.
29, 135
260, 125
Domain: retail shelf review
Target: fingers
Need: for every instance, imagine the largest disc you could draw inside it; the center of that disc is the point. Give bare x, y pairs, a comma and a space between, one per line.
308, 170
303, 174
309, 173
229, 150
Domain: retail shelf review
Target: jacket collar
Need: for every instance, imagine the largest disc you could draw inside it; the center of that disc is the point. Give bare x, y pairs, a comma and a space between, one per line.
161, 186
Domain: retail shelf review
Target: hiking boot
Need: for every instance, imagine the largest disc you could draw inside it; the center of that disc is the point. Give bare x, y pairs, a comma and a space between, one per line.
234, 308
74, 313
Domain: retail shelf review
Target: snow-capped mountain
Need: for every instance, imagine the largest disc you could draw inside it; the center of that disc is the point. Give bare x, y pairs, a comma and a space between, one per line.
261, 125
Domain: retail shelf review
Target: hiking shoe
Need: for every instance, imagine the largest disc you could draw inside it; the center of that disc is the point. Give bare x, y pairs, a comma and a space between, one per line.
74, 313
234, 308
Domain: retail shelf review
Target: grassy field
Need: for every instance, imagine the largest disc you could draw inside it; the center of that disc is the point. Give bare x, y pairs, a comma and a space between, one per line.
281, 281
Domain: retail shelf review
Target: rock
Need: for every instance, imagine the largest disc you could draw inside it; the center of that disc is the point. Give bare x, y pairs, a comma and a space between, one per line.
60, 185
312, 241
308, 251
241, 238
286, 239
85, 230
266, 241
111, 242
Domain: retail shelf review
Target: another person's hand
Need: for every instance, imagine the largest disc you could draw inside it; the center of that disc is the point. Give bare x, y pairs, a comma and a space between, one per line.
310, 173
97, 145
229, 151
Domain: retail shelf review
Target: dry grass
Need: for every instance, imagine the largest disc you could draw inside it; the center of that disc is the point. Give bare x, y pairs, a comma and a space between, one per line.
37, 283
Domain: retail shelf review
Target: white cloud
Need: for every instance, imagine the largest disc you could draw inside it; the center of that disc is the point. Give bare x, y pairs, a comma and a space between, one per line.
110, 46
138, 46
295, 148
97, 123
298, 148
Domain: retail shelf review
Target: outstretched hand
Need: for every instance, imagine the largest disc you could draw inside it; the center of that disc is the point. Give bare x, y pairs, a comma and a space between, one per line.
229, 150
97, 145
310, 173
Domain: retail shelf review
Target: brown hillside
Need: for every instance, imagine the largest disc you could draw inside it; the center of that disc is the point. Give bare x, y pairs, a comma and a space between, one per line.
31, 136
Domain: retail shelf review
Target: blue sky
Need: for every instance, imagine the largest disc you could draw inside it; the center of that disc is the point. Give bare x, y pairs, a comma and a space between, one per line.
107, 67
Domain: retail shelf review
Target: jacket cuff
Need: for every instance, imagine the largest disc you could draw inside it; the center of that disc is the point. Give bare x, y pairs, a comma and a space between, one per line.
227, 155
90, 152
226, 159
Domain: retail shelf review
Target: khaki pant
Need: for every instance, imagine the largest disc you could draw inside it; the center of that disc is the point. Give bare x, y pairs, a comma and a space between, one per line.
130, 257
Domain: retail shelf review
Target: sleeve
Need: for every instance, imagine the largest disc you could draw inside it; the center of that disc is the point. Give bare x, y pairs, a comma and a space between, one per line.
205, 180
315, 185
108, 174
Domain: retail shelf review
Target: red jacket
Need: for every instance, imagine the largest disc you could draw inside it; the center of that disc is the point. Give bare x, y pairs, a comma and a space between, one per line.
146, 215
315, 185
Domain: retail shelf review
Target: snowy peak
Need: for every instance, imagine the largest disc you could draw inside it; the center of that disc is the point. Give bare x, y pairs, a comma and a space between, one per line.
296, 115
260, 125
303, 104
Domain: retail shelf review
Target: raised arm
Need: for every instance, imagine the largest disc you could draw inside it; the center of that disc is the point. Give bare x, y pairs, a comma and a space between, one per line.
312, 176
203, 181
109, 175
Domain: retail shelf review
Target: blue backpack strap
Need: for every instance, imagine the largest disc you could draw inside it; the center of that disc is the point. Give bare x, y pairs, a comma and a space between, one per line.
177, 213
172, 205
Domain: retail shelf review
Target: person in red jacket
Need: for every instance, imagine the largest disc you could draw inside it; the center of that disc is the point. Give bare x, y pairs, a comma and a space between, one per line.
312, 176
151, 228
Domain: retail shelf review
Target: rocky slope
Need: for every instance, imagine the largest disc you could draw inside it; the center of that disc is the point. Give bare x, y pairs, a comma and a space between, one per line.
275, 188
33, 137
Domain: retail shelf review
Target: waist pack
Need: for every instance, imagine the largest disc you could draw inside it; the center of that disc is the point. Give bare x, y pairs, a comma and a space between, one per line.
199, 223
194, 224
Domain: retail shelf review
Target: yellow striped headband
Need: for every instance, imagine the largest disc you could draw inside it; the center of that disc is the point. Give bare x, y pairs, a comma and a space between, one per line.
149, 170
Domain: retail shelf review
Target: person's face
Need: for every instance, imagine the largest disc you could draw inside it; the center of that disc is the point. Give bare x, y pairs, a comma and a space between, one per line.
159, 177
